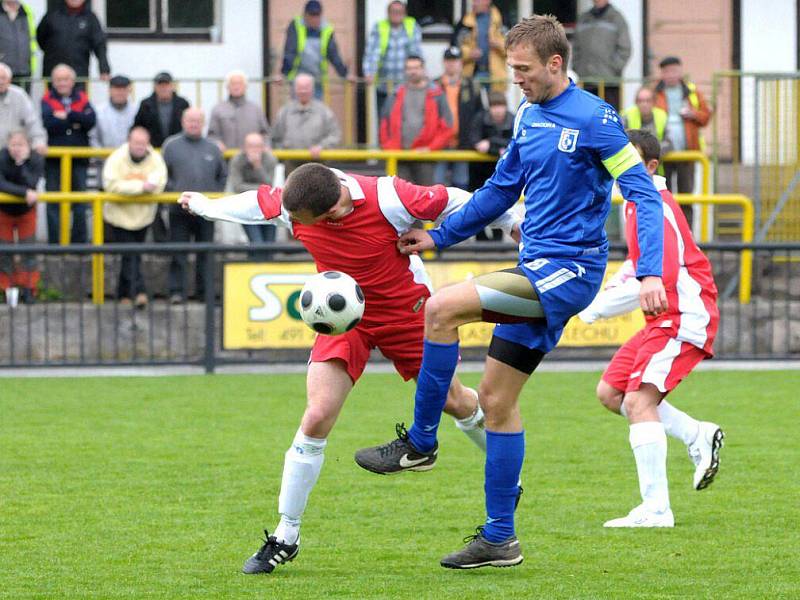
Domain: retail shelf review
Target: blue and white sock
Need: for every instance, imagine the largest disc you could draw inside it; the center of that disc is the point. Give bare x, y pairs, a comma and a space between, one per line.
439, 363
504, 455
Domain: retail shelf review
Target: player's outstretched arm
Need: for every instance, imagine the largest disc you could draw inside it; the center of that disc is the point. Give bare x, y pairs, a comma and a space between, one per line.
240, 208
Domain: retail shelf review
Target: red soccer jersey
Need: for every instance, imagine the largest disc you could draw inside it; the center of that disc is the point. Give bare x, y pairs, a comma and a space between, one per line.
688, 279
363, 243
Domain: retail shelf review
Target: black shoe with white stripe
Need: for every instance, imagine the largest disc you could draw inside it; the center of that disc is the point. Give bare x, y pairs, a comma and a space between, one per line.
270, 555
397, 456
480, 552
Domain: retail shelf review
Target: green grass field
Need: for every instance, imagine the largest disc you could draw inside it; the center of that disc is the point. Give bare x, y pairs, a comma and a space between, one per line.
159, 487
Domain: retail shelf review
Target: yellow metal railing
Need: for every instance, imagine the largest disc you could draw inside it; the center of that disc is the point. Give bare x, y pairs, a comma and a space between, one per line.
391, 158
748, 228
705, 188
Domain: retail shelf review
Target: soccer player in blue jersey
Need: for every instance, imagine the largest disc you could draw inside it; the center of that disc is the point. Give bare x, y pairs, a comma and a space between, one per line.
567, 148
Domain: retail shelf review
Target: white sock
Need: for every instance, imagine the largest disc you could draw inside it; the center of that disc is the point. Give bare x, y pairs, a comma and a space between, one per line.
301, 468
473, 426
649, 444
677, 423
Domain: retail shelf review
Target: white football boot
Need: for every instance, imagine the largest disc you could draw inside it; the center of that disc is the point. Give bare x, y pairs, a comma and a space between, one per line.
641, 517
704, 452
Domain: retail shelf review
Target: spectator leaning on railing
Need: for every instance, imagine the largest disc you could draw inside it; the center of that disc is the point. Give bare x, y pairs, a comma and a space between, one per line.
20, 172
68, 34
391, 41
134, 168
67, 117
18, 41
193, 163
17, 111
232, 119
305, 123
253, 167
416, 117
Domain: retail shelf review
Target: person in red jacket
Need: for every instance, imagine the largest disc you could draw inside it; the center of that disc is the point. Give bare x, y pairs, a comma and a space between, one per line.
655, 360
416, 117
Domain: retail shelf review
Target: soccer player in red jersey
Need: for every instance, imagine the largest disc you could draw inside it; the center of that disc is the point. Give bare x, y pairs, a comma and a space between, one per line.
350, 223
655, 360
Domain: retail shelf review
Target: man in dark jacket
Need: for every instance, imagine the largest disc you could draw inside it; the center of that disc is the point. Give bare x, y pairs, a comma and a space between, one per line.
67, 116
69, 34
160, 113
20, 172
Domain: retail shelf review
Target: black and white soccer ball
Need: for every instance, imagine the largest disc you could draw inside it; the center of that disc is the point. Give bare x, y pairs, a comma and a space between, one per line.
331, 303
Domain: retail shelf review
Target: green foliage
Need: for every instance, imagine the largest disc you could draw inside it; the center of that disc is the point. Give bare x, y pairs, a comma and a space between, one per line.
158, 488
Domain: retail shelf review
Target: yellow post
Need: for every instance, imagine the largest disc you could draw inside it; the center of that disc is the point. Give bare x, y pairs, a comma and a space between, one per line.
98, 268
65, 212
746, 266
391, 165
705, 210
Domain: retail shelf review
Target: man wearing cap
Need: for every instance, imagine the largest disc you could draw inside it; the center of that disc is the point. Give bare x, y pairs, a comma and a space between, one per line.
115, 117
391, 41
160, 113
465, 99
687, 113
309, 46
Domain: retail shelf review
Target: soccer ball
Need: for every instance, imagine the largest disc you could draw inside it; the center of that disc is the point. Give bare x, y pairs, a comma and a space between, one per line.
331, 303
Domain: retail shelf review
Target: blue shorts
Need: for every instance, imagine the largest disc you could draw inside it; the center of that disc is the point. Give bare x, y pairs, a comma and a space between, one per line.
565, 287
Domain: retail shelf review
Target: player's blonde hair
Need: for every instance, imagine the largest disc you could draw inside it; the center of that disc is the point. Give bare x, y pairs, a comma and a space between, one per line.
544, 35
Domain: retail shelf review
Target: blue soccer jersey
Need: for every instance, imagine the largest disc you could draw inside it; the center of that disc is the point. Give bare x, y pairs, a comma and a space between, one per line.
564, 156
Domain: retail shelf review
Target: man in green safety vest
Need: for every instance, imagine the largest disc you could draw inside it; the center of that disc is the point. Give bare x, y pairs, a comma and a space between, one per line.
391, 41
310, 46
645, 115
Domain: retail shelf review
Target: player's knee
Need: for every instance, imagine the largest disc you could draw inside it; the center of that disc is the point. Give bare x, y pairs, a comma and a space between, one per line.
609, 396
461, 401
495, 406
317, 422
438, 314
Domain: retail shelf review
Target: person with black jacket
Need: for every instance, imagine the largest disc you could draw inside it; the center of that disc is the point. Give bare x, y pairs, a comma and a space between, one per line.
160, 113
490, 132
68, 35
20, 172
67, 116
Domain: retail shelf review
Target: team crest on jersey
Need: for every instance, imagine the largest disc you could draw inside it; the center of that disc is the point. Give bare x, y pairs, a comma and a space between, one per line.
569, 139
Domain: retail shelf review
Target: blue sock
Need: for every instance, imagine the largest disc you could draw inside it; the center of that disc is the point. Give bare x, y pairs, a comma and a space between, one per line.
439, 363
504, 455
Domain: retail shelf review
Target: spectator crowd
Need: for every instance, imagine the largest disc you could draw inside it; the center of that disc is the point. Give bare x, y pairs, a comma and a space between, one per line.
164, 144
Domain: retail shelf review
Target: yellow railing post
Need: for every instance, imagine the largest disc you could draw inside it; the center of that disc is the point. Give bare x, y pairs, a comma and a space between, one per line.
98, 268
391, 165
705, 187
65, 209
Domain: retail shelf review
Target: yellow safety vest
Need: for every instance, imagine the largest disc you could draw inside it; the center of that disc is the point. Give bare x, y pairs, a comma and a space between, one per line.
634, 118
695, 102
325, 40
385, 29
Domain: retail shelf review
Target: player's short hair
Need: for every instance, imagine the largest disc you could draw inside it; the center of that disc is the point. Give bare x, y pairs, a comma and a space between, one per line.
647, 144
312, 187
545, 36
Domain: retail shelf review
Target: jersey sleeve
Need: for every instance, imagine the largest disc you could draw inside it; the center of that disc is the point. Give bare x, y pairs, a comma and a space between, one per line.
248, 208
624, 164
497, 196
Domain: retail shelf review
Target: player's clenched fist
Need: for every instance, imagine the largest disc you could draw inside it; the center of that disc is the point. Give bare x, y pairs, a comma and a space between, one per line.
190, 201
652, 296
414, 241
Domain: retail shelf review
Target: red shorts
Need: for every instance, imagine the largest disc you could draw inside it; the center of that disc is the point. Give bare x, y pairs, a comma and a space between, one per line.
399, 342
653, 356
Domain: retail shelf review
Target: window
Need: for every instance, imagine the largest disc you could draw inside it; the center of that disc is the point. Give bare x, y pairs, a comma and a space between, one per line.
194, 19
434, 18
